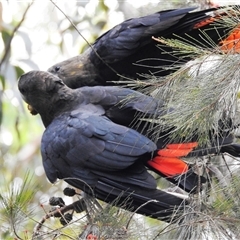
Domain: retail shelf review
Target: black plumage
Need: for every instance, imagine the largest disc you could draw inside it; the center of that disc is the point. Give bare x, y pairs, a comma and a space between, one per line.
89, 151
83, 146
128, 50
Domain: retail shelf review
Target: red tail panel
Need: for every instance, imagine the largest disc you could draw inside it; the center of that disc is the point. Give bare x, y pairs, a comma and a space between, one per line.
173, 152
205, 22
168, 166
188, 146
168, 161
232, 42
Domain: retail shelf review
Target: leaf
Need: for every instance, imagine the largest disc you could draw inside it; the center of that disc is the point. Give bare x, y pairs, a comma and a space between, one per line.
30, 63
103, 6
3, 81
19, 71
6, 36
27, 41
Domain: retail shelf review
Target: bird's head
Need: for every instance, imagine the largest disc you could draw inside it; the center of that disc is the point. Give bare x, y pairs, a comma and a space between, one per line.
69, 71
77, 71
41, 91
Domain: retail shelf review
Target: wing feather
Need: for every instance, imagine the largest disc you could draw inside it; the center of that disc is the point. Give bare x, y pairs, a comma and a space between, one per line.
96, 144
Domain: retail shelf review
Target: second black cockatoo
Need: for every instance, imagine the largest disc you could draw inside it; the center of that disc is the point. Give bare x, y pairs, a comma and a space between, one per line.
129, 50
83, 146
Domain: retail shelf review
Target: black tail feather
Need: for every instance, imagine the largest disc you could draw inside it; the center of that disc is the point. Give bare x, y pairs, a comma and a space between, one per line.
232, 149
189, 181
153, 203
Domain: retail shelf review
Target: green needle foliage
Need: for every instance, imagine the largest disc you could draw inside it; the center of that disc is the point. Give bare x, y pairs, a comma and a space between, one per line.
16, 204
210, 216
200, 97
201, 100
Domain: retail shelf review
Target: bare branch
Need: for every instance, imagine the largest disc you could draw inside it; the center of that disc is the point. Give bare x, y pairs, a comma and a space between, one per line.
8, 46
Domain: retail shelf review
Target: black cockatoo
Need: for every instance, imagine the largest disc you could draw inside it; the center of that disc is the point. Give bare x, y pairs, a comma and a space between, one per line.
129, 50
84, 146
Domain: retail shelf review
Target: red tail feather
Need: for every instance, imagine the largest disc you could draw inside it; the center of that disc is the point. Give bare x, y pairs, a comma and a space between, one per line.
168, 161
188, 146
205, 22
232, 42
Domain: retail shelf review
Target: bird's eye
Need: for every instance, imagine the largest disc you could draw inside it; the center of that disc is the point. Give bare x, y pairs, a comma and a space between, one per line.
57, 68
22, 90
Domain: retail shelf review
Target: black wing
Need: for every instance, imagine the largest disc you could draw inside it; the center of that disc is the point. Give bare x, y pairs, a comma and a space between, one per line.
103, 159
128, 107
90, 147
122, 105
128, 49
124, 39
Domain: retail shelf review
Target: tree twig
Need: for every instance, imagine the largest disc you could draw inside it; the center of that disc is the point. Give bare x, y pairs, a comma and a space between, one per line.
8, 45
59, 212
